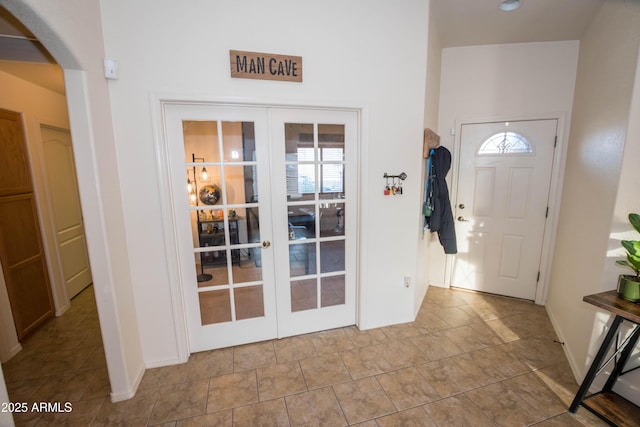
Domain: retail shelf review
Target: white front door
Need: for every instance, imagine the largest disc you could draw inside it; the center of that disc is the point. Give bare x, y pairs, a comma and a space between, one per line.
62, 188
243, 274
502, 198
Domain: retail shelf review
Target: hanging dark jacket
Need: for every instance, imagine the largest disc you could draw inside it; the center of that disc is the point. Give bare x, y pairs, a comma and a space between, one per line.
441, 219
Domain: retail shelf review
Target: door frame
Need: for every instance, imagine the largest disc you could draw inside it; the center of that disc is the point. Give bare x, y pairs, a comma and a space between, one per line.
555, 190
169, 221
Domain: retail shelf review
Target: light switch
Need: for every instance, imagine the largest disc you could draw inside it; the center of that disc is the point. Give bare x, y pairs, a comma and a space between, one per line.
110, 68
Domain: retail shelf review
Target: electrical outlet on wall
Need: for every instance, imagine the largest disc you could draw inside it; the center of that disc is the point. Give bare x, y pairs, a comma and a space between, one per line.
406, 281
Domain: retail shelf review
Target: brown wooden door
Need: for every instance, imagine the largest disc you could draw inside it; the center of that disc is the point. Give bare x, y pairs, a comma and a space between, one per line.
21, 251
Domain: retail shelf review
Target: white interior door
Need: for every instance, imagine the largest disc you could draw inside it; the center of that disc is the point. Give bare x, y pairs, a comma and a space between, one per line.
315, 177
219, 166
234, 246
62, 186
502, 198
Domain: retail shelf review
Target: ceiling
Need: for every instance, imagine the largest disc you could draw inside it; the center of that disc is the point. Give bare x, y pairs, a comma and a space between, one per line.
480, 22
459, 23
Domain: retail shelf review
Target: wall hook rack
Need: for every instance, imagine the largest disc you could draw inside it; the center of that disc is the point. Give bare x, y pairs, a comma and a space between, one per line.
402, 176
396, 187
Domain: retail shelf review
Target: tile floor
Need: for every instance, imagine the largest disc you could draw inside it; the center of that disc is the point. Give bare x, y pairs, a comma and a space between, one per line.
467, 360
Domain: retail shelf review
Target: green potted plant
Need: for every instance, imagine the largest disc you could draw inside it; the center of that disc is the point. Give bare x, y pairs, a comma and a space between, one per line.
628, 284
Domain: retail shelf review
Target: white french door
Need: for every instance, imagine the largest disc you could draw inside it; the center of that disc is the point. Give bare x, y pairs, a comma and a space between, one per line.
502, 198
264, 223
315, 179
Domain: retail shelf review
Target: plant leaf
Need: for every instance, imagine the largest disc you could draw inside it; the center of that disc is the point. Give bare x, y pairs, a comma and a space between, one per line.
632, 246
635, 263
634, 219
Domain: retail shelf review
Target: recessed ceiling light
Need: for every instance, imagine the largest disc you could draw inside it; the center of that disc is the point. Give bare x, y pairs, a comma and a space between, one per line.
509, 5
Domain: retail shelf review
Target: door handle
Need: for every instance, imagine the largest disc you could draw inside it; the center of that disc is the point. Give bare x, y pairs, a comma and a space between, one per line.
266, 244
462, 219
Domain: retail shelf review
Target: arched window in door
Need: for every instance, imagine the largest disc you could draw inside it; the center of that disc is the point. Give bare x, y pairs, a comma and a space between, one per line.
505, 143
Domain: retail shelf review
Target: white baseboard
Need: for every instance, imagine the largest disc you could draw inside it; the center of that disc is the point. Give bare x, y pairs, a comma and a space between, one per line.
119, 396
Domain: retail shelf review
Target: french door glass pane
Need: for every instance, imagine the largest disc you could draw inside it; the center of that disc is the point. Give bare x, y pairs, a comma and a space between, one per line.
249, 302
215, 306
304, 295
332, 291
315, 165
331, 219
221, 182
302, 259
332, 256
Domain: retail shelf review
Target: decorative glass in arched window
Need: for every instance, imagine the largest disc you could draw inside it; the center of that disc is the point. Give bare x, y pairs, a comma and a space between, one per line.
505, 143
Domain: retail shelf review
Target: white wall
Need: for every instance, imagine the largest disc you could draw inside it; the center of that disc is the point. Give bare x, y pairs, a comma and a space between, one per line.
593, 213
6, 419
71, 31
501, 81
432, 98
362, 54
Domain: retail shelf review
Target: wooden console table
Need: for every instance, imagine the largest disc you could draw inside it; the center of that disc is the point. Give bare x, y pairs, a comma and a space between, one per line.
606, 404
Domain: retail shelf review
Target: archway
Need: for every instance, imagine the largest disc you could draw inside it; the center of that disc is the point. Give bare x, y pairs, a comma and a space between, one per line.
84, 97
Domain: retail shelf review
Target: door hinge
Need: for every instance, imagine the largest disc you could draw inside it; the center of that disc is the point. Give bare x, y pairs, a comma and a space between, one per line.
538, 278
546, 214
555, 141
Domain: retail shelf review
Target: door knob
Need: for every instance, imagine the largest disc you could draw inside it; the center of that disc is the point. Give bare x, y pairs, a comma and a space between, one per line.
461, 205
462, 219
266, 244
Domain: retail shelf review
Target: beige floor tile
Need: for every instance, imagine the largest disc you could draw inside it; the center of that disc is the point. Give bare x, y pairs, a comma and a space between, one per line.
270, 413
321, 371
157, 377
294, 348
207, 364
407, 388
333, 341
428, 322
280, 380
463, 348
416, 417
365, 338
65, 388
180, 401
563, 420
436, 346
365, 361
135, 411
537, 394
98, 387
217, 419
315, 408
369, 423
455, 316
81, 414
232, 390
444, 297
401, 354
532, 323
363, 400
457, 411
490, 365
401, 331
537, 352
560, 380
468, 338
502, 330
446, 377
503, 406
253, 356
